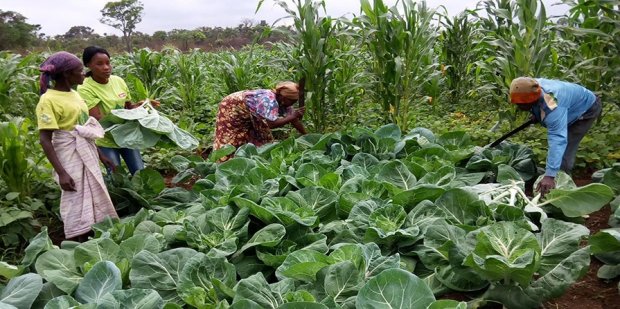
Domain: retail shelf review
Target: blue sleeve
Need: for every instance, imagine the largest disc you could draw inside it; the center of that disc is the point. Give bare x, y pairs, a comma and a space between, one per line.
557, 137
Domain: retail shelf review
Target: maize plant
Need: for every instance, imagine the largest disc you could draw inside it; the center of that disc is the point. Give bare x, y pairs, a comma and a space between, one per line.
515, 41
18, 163
349, 81
191, 82
590, 33
153, 69
245, 69
19, 87
402, 47
457, 55
311, 56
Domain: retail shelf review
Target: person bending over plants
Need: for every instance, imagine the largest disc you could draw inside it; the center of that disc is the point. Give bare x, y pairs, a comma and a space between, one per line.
67, 135
567, 111
248, 116
104, 92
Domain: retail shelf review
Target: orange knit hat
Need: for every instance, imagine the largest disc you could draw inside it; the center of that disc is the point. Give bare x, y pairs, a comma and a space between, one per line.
524, 90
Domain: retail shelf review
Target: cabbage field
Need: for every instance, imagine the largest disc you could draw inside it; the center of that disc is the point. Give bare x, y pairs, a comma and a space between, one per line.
392, 201
360, 219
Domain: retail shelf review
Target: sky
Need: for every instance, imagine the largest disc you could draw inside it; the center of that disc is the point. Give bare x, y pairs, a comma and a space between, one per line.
56, 17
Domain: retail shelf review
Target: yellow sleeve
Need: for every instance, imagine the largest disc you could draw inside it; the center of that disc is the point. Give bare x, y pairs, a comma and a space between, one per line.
89, 97
46, 118
128, 98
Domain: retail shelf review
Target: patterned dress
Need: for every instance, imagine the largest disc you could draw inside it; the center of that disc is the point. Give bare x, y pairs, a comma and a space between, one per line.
242, 118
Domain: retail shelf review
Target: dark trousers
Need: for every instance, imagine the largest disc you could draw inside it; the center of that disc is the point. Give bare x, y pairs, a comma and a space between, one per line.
132, 158
576, 131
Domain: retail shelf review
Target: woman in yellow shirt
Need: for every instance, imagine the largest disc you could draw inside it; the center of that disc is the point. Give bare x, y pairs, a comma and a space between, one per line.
104, 92
67, 135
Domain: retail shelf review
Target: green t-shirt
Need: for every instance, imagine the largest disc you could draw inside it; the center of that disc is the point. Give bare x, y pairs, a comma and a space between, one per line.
107, 97
60, 110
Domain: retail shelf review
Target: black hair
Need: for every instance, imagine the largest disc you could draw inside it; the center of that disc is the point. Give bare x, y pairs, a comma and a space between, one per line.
89, 53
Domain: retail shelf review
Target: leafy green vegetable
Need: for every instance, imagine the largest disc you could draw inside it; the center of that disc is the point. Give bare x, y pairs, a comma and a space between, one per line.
21, 291
144, 127
395, 288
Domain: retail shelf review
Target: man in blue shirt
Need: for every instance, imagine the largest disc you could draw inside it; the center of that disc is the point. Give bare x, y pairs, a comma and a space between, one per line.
567, 111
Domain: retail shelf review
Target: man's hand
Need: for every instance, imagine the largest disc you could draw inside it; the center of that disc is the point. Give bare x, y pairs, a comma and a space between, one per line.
545, 185
66, 182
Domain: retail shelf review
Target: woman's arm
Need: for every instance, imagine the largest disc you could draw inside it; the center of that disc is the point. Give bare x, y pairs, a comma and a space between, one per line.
299, 126
289, 118
95, 112
282, 121
66, 182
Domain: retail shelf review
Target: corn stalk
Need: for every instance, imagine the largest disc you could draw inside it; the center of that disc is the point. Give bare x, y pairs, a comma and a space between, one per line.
590, 35
401, 44
18, 163
311, 56
151, 68
349, 80
516, 41
457, 54
19, 87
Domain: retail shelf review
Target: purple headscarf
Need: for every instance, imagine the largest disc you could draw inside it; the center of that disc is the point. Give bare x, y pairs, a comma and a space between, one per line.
55, 64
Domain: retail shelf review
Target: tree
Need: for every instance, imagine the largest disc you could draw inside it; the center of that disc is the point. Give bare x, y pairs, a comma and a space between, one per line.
123, 15
15, 31
185, 37
160, 36
80, 32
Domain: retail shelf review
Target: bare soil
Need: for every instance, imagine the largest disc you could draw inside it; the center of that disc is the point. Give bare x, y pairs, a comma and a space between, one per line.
590, 292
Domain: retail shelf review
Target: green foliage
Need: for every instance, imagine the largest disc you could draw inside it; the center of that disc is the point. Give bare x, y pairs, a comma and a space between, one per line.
590, 38
21, 291
18, 222
395, 288
515, 40
144, 127
311, 54
359, 216
15, 168
15, 31
18, 83
403, 60
457, 53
